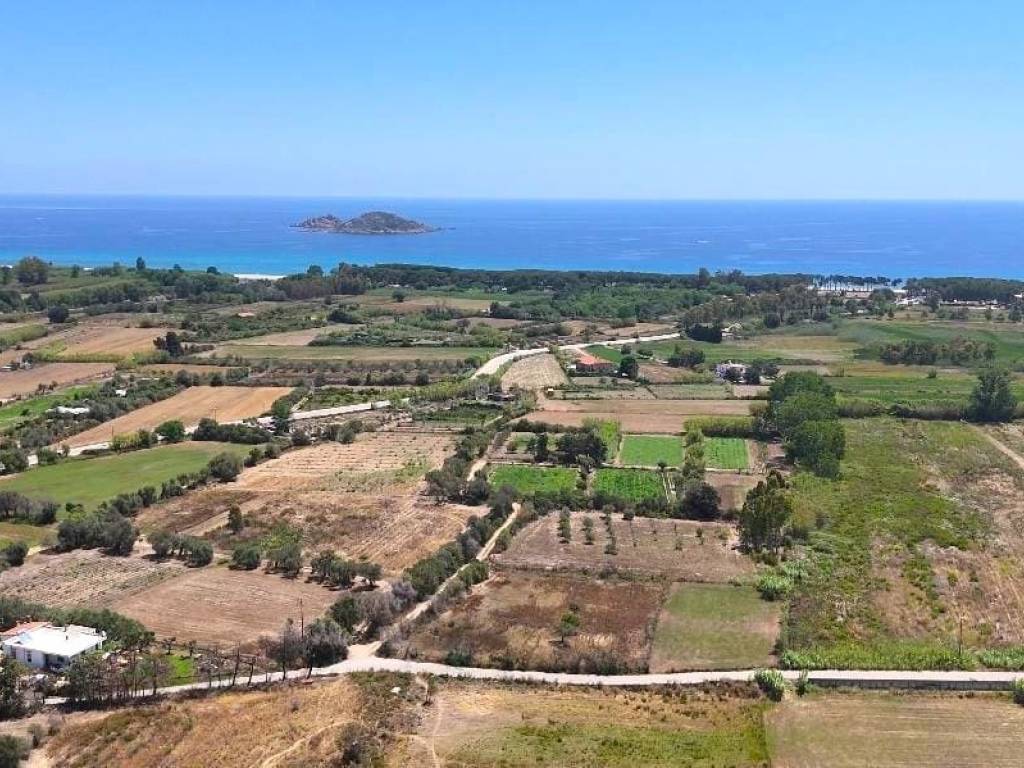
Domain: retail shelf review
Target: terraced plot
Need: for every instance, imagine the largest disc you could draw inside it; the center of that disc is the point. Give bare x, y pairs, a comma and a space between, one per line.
726, 453
633, 485
526, 479
649, 450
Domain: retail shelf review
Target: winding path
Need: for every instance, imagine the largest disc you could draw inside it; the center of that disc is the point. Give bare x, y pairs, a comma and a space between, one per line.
494, 365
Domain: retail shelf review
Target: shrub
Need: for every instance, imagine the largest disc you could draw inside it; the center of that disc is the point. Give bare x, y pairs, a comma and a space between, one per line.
1018, 691
774, 586
771, 682
172, 431
225, 467
247, 557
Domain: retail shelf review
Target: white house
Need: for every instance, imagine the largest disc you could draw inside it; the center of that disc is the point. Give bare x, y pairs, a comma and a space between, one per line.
44, 646
72, 410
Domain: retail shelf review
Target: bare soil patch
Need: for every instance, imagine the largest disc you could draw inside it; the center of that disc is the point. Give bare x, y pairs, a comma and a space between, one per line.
668, 548
219, 605
513, 618
221, 403
664, 374
24, 382
84, 577
99, 338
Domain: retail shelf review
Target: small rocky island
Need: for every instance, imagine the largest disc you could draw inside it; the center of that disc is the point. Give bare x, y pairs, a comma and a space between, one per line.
371, 223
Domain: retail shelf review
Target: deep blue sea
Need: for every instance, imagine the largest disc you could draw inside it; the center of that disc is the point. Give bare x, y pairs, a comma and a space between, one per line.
252, 235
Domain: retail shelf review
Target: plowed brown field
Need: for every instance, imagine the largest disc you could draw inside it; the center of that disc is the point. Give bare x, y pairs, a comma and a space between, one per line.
221, 403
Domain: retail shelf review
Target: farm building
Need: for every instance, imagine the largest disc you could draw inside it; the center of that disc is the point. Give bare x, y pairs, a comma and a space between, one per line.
44, 646
589, 364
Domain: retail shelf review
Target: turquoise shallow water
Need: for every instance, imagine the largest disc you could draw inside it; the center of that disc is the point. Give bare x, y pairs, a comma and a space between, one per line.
252, 235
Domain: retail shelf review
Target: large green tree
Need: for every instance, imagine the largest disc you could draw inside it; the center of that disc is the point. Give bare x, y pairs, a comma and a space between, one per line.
992, 398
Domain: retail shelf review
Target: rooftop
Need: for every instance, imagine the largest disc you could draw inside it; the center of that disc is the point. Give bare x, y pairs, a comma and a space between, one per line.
56, 641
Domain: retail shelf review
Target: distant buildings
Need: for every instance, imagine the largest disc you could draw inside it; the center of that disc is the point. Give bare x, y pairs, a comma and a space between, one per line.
41, 645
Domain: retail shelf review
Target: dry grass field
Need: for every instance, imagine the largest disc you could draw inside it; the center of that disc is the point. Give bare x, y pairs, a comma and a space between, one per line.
222, 403
84, 577
486, 726
364, 499
379, 354
289, 338
664, 374
668, 548
103, 339
534, 372
513, 618
173, 368
887, 730
25, 382
282, 727
218, 605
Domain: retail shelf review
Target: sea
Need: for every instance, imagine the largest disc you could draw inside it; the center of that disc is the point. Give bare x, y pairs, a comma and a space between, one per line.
254, 235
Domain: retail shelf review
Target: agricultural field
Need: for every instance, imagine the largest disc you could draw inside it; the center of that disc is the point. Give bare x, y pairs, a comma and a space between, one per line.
291, 338
689, 391
679, 550
526, 479
633, 485
714, 626
611, 354
922, 528
891, 730
657, 373
611, 391
649, 450
237, 729
726, 453
902, 387
637, 416
364, 499
513, 620
732, 487
88, 340
486, 726
865, 334
364, 354
224, 404
27, 381
84, 578
221, 606
534, 372
88, 481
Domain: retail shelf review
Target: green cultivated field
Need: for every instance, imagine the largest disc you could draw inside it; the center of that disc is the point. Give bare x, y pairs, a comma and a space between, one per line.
648, 450
90, 481
910, 388
611, 354
526, 479
633, 485
726, 453
714, 626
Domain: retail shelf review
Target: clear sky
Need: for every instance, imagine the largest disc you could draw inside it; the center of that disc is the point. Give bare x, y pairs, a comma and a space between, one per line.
715, 99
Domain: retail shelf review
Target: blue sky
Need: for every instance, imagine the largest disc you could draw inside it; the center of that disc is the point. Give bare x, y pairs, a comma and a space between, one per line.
713, 99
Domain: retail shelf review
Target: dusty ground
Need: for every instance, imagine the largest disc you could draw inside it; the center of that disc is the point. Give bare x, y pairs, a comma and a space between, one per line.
24, 382
289, 338
664, 374
535, 372
886, 730
84, 577
669, 548
657, 423
364, 499
221, 403
515, 615
218, 605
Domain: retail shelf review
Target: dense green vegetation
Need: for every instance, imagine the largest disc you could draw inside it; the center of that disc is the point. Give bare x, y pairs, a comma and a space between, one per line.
89, 481
651, 450
631, 485
884, 497
527, 480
